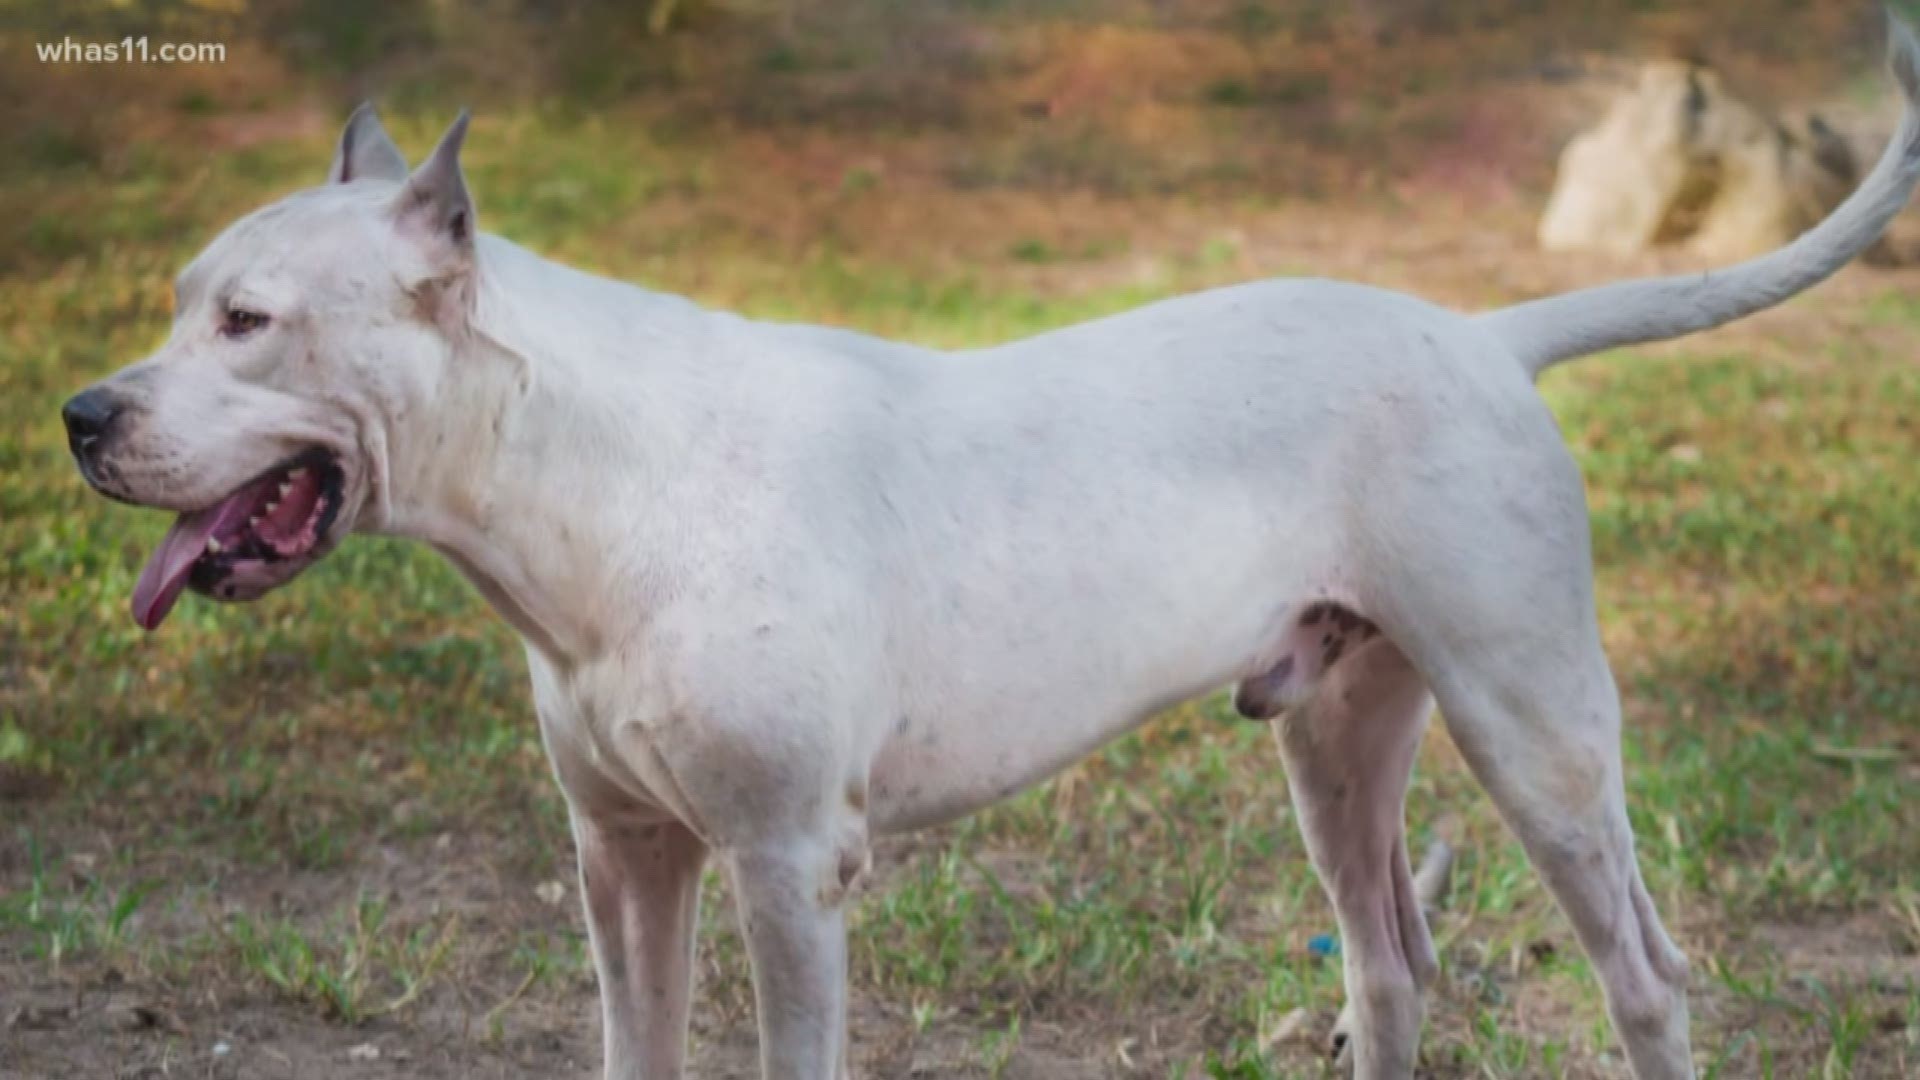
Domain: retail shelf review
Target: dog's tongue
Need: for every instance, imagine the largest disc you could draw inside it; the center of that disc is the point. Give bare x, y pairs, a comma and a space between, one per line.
167, 571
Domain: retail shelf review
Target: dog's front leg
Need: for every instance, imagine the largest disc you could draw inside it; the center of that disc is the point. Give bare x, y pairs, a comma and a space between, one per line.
642, 889
792, 912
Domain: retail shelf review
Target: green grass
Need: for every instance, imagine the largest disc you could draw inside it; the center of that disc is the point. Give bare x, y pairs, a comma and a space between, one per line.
54, 923
260, 774
359, 967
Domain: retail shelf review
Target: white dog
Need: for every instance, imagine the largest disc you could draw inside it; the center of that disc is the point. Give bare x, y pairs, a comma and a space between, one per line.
785, 588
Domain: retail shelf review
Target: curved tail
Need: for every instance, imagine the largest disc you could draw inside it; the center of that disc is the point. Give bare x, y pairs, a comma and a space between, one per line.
1544, 332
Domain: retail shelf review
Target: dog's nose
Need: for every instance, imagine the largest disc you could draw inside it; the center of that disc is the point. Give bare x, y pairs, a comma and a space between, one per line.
88, 415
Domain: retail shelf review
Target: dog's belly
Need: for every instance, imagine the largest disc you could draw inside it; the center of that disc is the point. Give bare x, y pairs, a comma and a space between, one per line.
961, 759
974, 742
1029, 654
921, 780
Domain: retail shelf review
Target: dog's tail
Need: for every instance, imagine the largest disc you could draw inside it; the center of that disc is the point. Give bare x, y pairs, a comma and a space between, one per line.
1544, 332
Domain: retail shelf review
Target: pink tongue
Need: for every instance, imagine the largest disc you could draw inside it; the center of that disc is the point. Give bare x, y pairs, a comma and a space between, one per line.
167, 571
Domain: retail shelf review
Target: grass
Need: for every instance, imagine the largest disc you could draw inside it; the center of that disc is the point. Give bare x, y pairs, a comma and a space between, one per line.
360, 967
56, 923
330, 809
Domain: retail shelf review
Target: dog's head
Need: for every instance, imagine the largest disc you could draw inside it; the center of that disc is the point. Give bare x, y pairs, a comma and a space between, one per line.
306, 340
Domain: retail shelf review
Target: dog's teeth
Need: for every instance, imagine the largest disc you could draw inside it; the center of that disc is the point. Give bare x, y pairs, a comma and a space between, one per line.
294, 475
285, 486
213, 546
254, 521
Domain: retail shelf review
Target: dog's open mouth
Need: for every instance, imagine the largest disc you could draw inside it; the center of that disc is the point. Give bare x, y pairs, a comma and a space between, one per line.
247, 543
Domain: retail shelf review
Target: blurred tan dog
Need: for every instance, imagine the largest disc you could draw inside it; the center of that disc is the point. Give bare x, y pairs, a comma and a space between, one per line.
784, 588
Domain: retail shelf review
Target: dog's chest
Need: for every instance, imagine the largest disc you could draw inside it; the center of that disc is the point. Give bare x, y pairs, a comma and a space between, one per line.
586, 722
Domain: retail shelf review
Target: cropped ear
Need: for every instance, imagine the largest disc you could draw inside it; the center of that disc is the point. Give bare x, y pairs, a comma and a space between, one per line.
434, 205
365, 152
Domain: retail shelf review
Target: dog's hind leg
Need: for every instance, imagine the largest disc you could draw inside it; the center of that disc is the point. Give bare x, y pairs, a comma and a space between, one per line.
1349, 750
1430, 881
642, 889
1494, 604
1542, 734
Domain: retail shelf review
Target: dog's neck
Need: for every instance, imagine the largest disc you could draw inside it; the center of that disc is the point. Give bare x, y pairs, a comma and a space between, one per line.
563, 387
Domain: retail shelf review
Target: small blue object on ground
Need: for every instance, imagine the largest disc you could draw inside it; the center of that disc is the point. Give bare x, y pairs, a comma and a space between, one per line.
1324, 945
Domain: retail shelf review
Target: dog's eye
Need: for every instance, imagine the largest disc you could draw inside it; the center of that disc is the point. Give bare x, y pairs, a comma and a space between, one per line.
241, 323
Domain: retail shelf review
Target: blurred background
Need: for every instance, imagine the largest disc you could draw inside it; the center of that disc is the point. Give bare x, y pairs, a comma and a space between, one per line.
315, 836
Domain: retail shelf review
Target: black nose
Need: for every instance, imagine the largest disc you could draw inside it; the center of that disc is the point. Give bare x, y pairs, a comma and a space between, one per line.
89, 414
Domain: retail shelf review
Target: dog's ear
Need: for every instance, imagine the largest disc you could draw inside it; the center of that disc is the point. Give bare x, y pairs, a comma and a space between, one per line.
435, 204
365, 152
